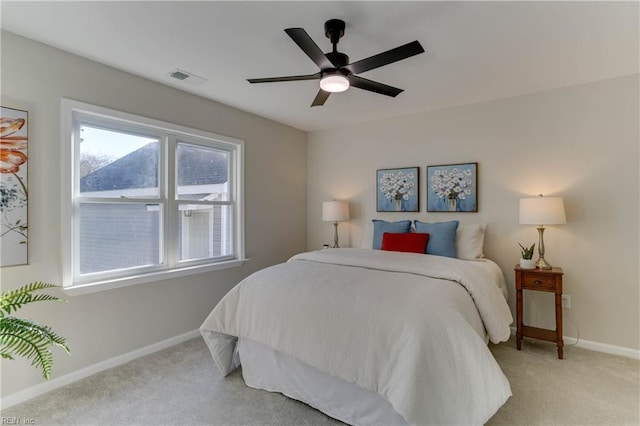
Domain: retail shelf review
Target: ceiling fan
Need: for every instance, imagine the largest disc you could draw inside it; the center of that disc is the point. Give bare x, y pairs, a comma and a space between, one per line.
336, 73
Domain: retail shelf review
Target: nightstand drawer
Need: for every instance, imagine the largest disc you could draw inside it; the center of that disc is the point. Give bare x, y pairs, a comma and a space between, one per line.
538, 282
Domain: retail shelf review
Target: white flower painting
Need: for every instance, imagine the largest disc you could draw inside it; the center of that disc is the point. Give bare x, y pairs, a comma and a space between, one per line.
397, 190
452, 188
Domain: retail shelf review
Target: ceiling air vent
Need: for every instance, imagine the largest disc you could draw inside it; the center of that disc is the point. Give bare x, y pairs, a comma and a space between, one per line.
187, 77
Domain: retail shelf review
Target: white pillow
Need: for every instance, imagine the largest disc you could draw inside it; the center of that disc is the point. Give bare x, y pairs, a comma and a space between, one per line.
367, 237
470, 241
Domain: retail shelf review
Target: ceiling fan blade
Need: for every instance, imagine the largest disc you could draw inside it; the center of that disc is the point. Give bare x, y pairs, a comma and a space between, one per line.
315, 76
321, 98
373, 86
399, 53
308, 46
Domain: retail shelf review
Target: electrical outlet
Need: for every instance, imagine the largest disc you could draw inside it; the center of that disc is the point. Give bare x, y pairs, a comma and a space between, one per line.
566, 301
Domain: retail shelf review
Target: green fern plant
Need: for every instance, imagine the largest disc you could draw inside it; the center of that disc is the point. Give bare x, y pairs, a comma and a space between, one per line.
25, 338
527, 253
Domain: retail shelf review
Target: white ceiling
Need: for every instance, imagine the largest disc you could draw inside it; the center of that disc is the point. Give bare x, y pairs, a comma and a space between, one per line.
475, 51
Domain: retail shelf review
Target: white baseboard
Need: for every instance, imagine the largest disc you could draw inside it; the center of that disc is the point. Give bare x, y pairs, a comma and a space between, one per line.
58, 382
603, 347
597, 346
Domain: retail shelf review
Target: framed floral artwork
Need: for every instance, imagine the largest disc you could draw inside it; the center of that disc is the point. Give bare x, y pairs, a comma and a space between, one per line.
397, 189
13, 187
452, 188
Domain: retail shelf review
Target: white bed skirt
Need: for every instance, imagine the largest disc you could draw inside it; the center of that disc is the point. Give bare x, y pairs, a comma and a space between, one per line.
274, 371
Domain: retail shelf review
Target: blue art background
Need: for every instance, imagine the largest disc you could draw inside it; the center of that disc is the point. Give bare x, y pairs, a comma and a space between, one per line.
470, 204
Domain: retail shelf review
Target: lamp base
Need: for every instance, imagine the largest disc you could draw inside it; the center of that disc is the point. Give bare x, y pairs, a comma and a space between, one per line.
543, 264
335, 235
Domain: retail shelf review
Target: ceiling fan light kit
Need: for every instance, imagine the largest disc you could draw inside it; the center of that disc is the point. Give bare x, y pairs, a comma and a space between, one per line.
336, 73
334, 82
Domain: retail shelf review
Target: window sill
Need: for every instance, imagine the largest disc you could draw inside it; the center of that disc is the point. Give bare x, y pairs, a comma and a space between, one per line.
110, 284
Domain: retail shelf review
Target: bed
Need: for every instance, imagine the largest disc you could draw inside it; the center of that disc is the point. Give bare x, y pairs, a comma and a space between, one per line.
370, 336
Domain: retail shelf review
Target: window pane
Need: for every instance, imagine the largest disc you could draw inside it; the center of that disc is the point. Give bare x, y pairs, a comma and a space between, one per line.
117, 236
204, 231
117, 164
203, 173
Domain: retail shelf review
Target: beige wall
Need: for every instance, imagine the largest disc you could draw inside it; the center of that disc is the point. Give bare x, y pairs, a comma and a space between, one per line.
103, 325
579, 143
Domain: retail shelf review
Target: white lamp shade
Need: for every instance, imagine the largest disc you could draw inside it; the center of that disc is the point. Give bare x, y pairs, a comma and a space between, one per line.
335, 211
542, 211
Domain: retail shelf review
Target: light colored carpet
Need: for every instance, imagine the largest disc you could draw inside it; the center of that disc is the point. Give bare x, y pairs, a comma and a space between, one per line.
181, 385
584, 388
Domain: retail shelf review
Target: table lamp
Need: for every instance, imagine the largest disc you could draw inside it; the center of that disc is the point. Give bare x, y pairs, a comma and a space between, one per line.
335, 211
542, 211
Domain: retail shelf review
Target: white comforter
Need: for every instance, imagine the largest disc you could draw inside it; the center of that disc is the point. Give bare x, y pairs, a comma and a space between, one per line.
405, 326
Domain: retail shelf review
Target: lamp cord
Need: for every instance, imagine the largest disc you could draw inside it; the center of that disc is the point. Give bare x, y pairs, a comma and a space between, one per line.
576, 327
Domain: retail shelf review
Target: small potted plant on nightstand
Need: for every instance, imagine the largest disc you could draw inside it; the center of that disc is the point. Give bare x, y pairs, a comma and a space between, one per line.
526, 262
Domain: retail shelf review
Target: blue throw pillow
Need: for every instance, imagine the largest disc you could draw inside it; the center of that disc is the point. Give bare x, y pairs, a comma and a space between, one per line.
382, 226
442, 237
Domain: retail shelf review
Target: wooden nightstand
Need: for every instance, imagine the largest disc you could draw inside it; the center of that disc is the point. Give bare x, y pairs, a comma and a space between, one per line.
539, 280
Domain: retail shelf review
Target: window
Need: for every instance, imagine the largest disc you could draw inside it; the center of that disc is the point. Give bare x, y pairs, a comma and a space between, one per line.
146, 198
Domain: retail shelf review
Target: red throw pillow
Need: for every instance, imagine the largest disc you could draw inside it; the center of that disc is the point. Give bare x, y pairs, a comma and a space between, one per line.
413, 242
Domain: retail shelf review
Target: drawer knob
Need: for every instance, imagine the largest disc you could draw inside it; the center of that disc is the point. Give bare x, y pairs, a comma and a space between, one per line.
538, 282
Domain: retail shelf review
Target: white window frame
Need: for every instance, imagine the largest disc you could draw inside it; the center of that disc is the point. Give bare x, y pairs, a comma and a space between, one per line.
169, 134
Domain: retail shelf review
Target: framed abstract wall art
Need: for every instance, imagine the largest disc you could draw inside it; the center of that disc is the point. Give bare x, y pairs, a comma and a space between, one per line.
13, 187
397, 190
452, 188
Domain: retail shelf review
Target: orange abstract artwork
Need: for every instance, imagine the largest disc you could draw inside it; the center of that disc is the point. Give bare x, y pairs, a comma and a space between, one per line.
13, 187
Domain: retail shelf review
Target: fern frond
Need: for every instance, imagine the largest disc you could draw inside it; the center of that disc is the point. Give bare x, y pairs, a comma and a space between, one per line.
15, 299
29, 340
25, 338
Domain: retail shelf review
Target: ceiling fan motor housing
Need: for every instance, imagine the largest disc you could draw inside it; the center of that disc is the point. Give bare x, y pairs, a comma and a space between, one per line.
337, 59
334, 29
